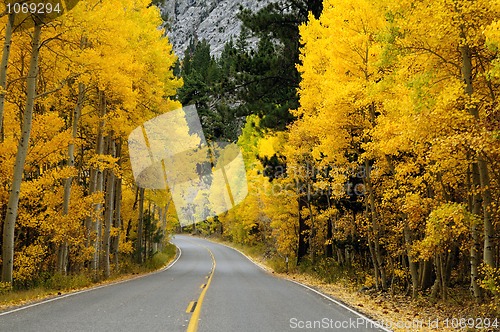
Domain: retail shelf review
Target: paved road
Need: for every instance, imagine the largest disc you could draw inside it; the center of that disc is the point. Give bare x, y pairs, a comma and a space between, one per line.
211, 288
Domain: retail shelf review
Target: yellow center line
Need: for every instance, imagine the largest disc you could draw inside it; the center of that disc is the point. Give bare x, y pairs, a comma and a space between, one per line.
193, 322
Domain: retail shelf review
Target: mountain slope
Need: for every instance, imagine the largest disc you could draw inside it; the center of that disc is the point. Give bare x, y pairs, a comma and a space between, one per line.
212, 20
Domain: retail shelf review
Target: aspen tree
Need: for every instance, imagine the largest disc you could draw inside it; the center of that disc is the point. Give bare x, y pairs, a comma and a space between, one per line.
15, 191
4, 64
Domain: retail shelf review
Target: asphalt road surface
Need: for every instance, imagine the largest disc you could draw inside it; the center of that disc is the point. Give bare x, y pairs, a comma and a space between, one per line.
210, 288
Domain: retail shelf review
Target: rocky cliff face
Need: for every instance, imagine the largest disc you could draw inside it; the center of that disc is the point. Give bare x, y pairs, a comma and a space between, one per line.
213, 20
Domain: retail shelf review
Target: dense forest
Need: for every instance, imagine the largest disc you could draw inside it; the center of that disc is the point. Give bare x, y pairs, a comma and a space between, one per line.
74, 88
370, 133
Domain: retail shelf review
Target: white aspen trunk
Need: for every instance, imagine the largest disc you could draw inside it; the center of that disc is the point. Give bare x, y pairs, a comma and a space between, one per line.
109, 203
442, 274
372, 213
312, 234
96, 224
164, 221
370, 209
489, 230
63, 249
117, 221
484, 179
375, 265
475, 208
413, 265
117, 213
22, 150
161, 213
3, 68
140, 226
147, 233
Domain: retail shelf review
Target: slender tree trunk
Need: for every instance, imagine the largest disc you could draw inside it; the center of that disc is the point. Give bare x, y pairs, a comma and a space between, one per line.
63, 248
439, 278
312, 232
489, 231
425, 278
153, 243
128, 229
375, 265
118, 206
160, 220
147, 232
3, 69
442, 274
436, 287
475, 208
89, 219
22, 150
372, 216
117, 221
140, 226
109, 210
108, 220
303, 245
441, 283
484, 180
411, 262
97, 227
408, 237
96, 224
62, 258
164, 218
329, 232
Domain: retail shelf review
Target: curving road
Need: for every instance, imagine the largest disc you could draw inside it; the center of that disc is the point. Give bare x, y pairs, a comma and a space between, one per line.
210, 288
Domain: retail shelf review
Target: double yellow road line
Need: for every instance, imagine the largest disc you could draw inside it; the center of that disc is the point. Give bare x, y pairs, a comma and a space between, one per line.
195, 306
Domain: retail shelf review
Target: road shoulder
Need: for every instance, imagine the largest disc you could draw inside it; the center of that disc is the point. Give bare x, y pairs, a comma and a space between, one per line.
57, 295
